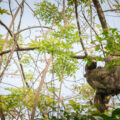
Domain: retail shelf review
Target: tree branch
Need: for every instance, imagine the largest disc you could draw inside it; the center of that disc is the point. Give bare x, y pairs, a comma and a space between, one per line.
6, 28
2, 116
111, 10
18, 49
31, 27
40, 88
19, 58
11, 24
89, 23
78, 25
9, 58
100, 14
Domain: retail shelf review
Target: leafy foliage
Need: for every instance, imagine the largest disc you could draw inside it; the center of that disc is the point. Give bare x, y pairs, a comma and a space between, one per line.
48, 12
59, 43
113, 40
1, 42
71, 2
24, 97
4, 11
75, 111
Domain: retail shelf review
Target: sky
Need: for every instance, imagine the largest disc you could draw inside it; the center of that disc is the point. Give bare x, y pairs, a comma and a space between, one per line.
30, 20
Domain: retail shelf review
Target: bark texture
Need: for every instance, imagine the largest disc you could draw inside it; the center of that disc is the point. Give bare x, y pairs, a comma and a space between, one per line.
100, 14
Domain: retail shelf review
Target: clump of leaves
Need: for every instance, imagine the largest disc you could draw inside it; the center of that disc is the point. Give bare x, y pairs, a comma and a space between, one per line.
115, 115
48, 12
65, 65
71, 2
86, 91
59, 44
4, 11
22, 96
112, 40
68, 34
111, 44
1, 42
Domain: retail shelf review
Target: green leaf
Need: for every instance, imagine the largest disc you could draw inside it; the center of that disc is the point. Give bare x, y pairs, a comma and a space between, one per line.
97, 48
48, 12
116, 112
98, 26
4, 11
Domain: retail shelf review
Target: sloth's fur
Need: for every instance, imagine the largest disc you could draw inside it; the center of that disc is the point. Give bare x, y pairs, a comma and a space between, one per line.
106, 83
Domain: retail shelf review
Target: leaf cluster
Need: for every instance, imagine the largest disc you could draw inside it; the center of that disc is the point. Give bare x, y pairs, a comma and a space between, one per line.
60, 45
48, 12
112, 40
4, 11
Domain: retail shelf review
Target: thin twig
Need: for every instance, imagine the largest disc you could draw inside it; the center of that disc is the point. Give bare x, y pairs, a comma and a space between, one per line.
78, 25
40, 87
89, 23
9, 58
102, 48
19, 49
11, 24
111, 10
31, 27
21, 67
6, 28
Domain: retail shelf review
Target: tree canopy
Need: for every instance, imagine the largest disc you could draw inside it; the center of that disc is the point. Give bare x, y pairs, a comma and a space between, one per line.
59, 59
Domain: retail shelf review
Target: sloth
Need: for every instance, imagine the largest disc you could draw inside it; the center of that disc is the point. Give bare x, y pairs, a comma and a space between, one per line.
106, 83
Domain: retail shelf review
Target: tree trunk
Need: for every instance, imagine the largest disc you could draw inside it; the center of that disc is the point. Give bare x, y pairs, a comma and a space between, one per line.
100, 14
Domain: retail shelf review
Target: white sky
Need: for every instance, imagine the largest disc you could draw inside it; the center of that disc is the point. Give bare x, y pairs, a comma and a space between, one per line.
29, 20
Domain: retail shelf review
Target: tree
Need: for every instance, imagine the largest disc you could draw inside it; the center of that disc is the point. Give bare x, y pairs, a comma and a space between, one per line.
70, 32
